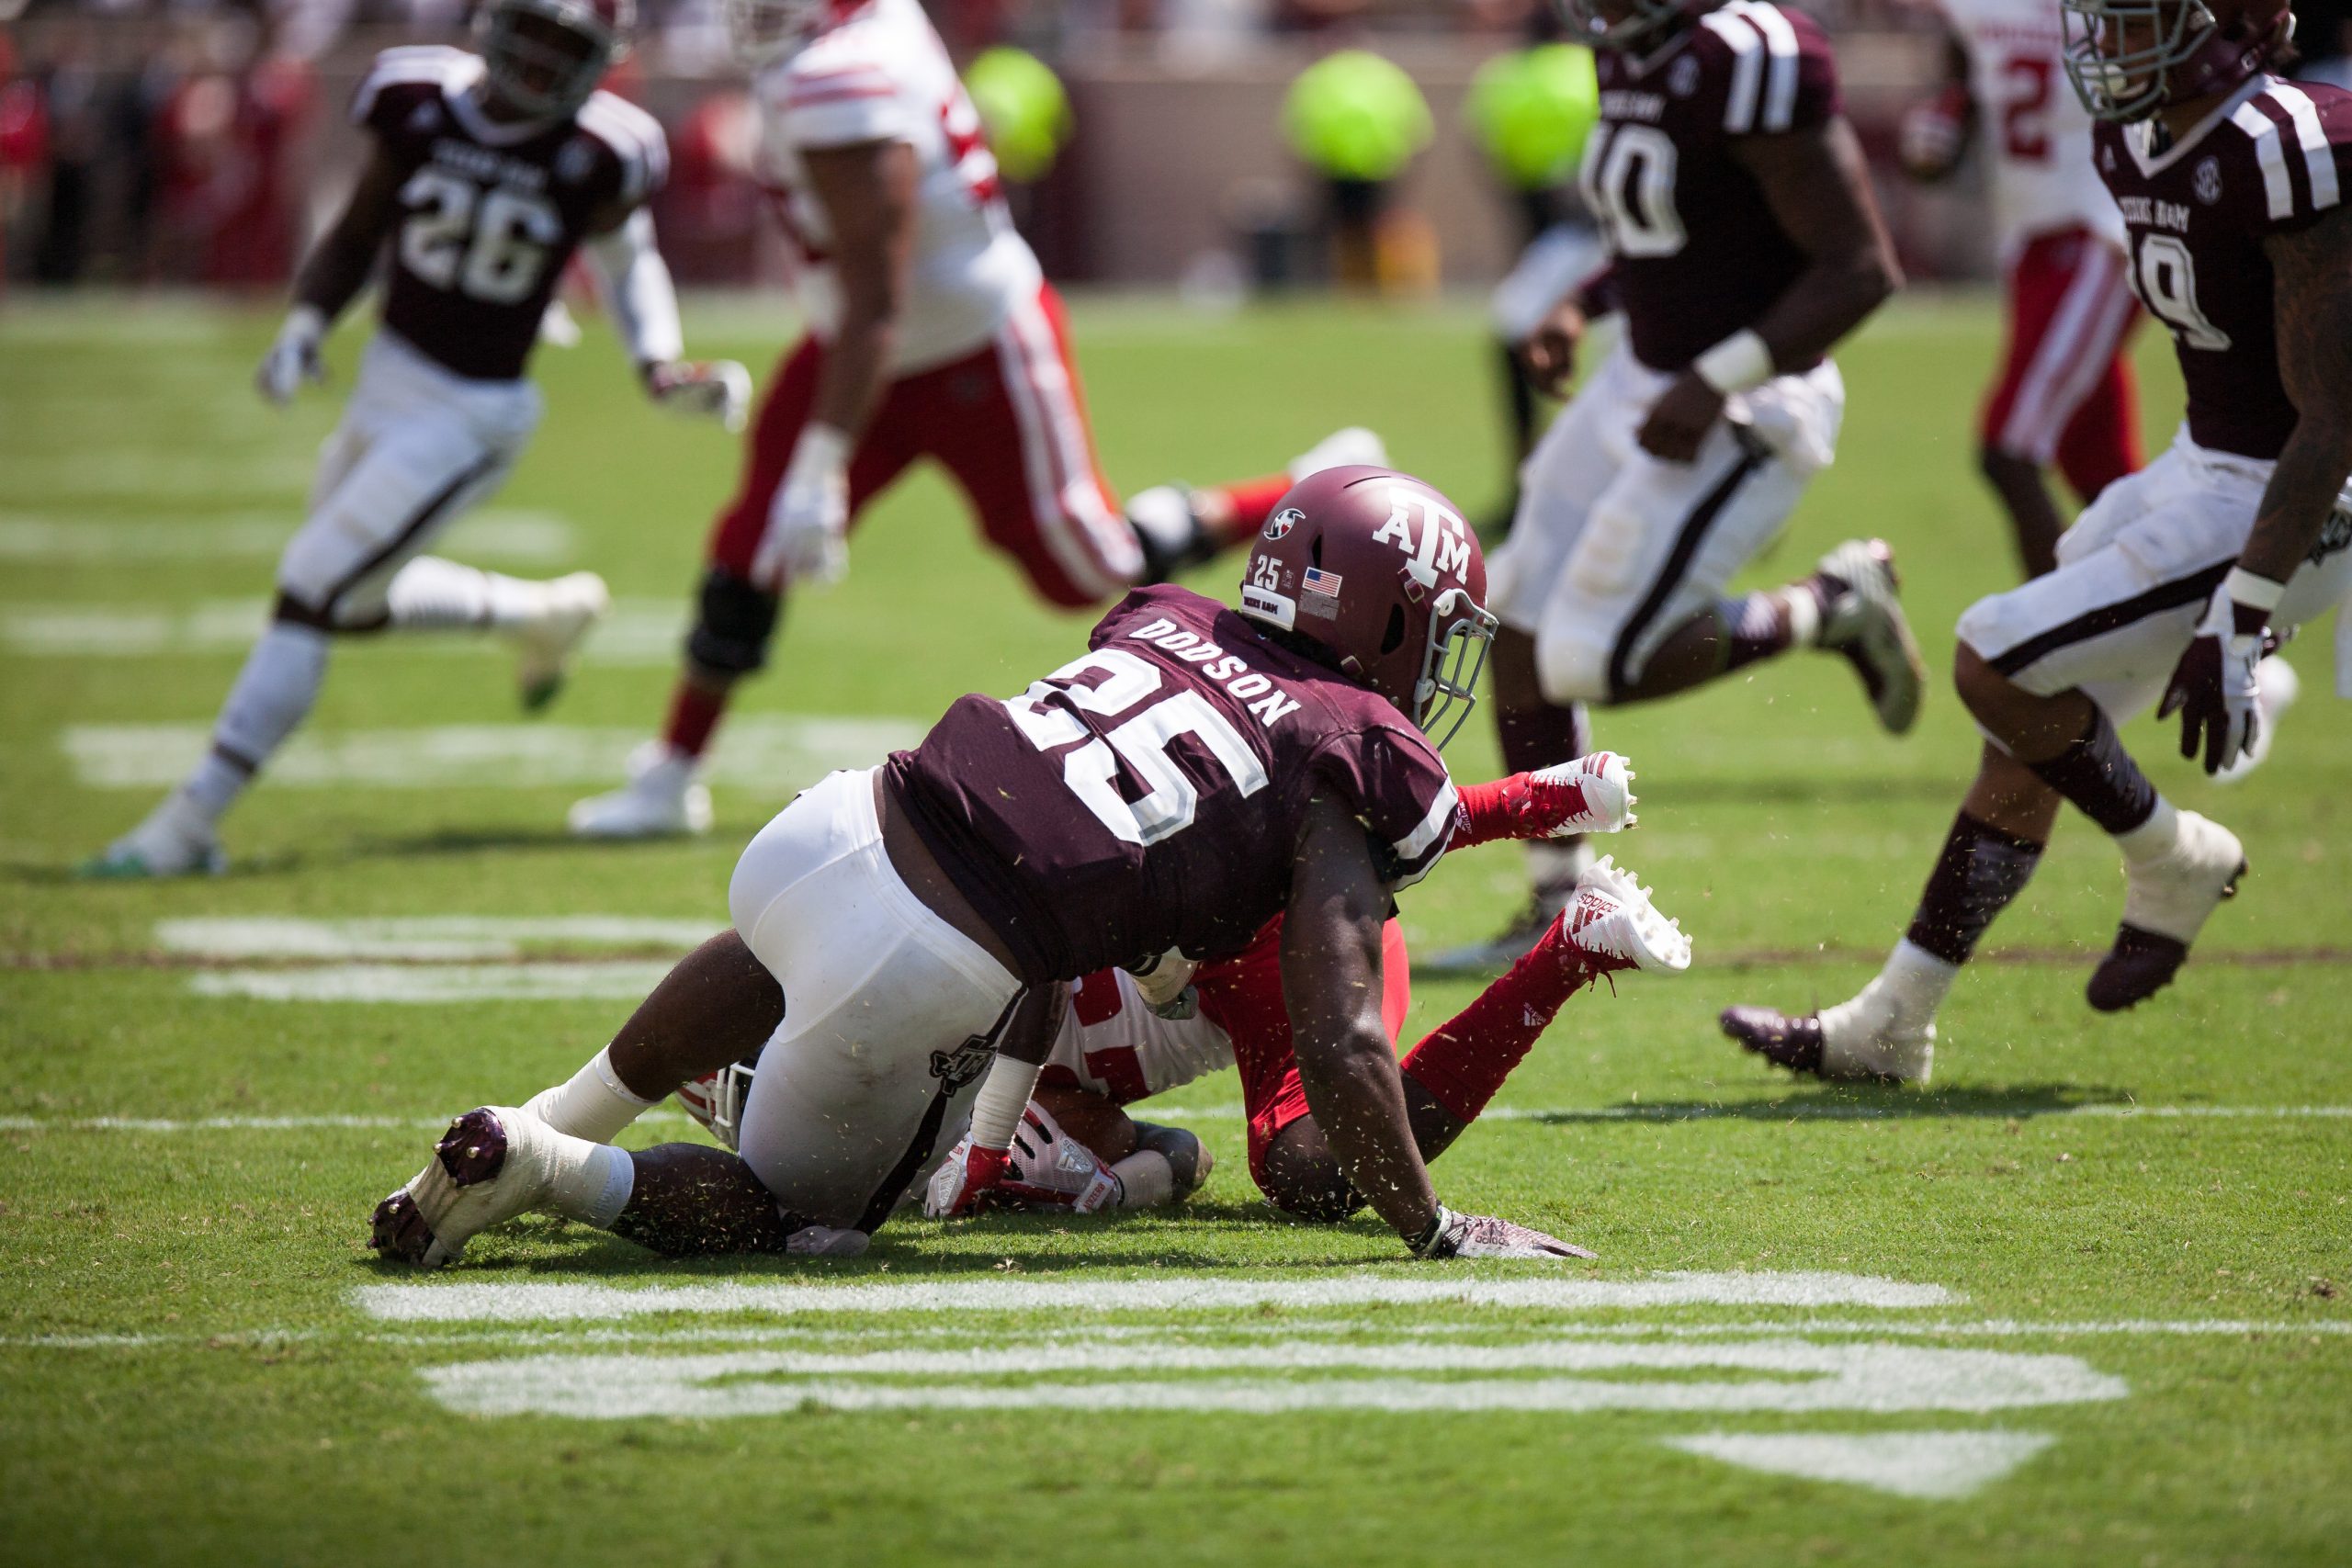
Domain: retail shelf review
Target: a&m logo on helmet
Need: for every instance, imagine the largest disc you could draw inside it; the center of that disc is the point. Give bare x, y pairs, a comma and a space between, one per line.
1282, 522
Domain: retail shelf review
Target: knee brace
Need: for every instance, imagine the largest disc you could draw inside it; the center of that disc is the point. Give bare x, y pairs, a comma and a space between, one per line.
733, 622
1573, 667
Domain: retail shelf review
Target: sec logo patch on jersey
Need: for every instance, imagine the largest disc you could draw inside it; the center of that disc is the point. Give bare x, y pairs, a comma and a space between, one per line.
2209, 181
1282, 522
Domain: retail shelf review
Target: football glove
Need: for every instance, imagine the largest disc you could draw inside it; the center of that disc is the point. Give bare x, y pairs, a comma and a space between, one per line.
712, 388
964, 1181
1050, 1169
2213, 687
807, 533
1482, 1235
1162, 983
294, 358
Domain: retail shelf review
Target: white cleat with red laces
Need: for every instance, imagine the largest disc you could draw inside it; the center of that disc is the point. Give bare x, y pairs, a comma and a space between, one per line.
1612, 925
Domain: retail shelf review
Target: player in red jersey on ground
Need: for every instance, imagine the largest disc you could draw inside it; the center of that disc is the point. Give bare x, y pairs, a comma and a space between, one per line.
933, 334
2232, 185
1745, 244
2063, 394
487, 171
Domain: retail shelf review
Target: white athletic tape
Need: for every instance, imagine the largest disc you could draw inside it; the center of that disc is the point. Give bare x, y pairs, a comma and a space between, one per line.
437, 937
548, 1303
637, 633
497, 535
773, 754
1805, 1378
1934, 1465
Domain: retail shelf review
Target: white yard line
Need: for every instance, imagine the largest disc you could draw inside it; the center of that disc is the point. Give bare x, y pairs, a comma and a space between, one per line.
437, 984
1801, 1377
638, 633
500, 533
528, 1301
445, 938
773, 753
1937, 1466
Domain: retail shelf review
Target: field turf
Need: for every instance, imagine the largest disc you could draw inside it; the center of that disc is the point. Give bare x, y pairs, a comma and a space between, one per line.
2087, 1299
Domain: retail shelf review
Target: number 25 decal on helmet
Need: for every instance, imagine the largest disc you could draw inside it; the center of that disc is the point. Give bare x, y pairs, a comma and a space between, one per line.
1379, 570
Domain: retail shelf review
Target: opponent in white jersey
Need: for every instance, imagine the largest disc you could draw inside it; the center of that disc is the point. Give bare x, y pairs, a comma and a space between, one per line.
486, 172
2063, 394
931, 335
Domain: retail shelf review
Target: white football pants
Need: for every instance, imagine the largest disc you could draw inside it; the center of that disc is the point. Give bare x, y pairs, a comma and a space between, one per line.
1613, 548
890, 1014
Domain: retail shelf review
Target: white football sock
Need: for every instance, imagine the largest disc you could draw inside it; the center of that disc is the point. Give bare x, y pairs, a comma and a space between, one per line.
1913, 986
593, 1103
433, 594
275, 692
588, 1182
2155, 838
1146, 1180
1805, 614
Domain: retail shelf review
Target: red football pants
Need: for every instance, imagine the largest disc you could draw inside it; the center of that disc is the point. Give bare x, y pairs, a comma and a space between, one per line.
2064, 393
1243, 996
1008, 421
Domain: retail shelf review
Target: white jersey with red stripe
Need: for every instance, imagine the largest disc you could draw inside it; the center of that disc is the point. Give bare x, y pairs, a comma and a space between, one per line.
884, 75
1112, 1043
2036, 133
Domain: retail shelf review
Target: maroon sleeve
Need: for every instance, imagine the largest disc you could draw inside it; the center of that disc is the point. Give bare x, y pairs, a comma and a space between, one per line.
395, 86
2311, 195
1770, 67
1818, 99
1398, 789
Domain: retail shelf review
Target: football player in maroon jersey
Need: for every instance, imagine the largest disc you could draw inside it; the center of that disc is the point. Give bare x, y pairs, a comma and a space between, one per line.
488, 169
2232, 186
1745, 244
1194, 773
931, 335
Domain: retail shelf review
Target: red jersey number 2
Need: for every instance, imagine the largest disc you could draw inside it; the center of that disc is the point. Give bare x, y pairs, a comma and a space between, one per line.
2024, 133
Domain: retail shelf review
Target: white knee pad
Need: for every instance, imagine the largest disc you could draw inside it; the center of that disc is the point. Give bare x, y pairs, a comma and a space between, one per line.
1572, 666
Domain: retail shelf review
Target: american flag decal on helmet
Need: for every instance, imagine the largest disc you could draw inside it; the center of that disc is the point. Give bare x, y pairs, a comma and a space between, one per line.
1317, 581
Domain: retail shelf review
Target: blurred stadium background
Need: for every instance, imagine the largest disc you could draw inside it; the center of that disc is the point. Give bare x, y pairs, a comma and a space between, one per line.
194, 142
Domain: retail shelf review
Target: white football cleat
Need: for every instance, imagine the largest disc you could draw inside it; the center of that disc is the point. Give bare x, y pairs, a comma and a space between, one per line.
1353, 447
176, 840
2166, 901
1606, 781
493, 1164
1867, 624
1612, 925
2275, 687
565, 612
663, 797
1862, 1042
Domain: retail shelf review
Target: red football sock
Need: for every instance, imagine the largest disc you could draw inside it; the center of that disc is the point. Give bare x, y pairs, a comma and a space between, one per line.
1465, 1060
694, 713
1251, 503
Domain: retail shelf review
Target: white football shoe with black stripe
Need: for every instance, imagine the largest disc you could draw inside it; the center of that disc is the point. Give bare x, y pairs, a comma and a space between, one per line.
1867, 624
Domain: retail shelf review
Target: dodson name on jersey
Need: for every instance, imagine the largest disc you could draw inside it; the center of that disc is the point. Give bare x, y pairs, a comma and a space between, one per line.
490, 212
2271, 159
1698, 252
1149, 794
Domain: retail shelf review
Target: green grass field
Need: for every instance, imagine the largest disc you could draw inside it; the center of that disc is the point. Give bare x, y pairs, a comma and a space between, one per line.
2089, 1299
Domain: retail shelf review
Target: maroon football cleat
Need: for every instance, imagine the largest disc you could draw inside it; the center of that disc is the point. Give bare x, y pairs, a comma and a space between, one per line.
1785, 1042
454, 1194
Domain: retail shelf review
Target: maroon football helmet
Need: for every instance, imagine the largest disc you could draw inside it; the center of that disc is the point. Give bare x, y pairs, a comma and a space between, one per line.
544, 57
1623, 23
1379, 570
2127, 59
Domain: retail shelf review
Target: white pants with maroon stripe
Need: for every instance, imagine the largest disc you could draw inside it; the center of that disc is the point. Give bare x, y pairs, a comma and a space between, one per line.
417, 446
2135, 574
890, 1014
1613, 548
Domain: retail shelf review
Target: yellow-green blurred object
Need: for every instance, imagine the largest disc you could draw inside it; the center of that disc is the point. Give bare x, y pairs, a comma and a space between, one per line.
1532, 110
1024, 107
1354, 116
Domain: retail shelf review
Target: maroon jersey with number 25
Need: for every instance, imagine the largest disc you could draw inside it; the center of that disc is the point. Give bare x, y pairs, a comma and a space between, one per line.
490, 212
1149, 794
2272, 159
1697, 251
